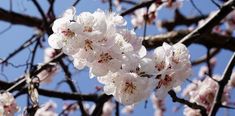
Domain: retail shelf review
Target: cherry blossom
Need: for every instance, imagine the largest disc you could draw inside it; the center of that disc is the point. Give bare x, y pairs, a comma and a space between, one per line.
127, 88
173, 66
8, 104
116, 56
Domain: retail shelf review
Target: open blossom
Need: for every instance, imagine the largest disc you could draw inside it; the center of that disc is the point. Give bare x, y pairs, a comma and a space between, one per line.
127, 88
8, 106
64, 36
173, 66
47, 109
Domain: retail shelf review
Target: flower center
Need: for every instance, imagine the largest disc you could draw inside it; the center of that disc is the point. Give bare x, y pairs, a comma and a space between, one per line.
160, 66
129, 87
68, 33
105, 58
87, 29
88, 45
164, 81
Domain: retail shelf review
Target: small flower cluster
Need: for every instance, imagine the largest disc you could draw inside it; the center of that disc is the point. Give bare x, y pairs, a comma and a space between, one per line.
203, 93
8, 106
116, 56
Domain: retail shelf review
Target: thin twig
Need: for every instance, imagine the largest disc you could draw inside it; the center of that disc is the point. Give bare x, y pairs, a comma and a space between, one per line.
141, 5
72, 86
197, 9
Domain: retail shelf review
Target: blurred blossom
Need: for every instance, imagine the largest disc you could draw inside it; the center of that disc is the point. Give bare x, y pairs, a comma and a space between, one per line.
47, 109
8, 106
128, 110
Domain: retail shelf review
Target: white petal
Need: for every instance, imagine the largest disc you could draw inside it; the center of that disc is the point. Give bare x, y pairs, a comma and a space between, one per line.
142, 52
55, 41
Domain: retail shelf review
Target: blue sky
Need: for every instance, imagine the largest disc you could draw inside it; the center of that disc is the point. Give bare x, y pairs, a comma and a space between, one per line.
17, 34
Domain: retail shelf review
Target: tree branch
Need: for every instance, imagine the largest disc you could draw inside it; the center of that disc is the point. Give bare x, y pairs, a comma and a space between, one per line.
191, 105
180, 20
222, 83
141, 5
210, 23
17, 18
212, 40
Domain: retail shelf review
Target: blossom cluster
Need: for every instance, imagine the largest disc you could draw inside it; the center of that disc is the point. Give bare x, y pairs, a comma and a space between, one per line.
116, 56
203, 93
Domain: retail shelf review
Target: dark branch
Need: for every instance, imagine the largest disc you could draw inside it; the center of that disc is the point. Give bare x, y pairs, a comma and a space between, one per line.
99, 104
210, 23
222, 83
180, 20
189, 104
17, 18
208, 39
141, 5
71, 85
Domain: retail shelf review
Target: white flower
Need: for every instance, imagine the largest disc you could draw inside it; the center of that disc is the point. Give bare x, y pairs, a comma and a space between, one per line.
127, 88
106, 60
130, 37
92, 25
65, 36
8, 102
172, 66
